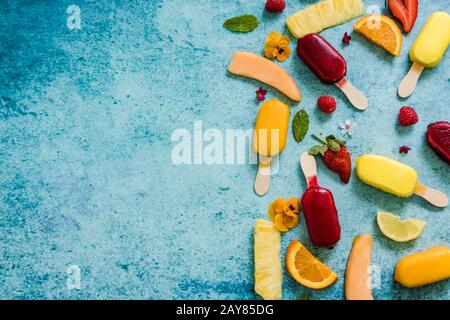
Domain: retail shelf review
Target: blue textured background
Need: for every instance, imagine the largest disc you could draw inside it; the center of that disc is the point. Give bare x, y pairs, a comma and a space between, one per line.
86, 118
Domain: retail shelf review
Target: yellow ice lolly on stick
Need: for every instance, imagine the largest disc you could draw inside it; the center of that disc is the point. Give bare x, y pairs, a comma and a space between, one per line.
427, 50
396, 178
269, 139
422, 268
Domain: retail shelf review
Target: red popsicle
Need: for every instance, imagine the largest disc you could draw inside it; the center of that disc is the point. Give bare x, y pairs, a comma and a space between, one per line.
329, 66
438, 138
318, 206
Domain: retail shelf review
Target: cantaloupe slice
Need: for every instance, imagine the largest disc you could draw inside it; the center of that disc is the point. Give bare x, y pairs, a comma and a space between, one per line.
251, 65
357, 275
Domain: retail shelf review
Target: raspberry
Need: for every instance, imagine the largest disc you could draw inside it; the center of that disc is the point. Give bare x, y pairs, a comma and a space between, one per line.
326, 104
275, 5
407, 116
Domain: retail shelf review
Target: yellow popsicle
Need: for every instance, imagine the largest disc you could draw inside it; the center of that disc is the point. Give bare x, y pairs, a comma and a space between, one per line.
424, 267
396, 178
387, 174
427, 50
271, 128
432, 41
269, 139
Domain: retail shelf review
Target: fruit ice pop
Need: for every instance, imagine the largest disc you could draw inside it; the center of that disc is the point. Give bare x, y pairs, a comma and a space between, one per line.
329, 66
432, 41
427, 50
271, 128
438, 138
422, 268
318, 206
269, 139
326, 63
395, 177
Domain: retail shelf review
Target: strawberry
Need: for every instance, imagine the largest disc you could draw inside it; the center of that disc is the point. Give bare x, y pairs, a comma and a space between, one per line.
275, 5
335, 155
405, 11
407, 116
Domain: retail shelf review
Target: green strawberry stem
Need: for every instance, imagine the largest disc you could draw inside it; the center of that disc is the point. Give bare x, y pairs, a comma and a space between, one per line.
319, 138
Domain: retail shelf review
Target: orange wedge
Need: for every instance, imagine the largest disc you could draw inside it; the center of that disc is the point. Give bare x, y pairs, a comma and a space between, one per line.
306, 269
382, 31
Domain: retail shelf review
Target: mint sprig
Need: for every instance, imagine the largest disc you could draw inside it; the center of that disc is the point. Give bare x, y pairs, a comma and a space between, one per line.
245, 23
300, 125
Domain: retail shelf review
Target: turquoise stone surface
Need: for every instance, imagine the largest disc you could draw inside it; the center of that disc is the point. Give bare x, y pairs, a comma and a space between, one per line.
92, 205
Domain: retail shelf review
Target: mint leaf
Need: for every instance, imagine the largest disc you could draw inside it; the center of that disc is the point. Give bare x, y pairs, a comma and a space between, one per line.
245, 23
300, 125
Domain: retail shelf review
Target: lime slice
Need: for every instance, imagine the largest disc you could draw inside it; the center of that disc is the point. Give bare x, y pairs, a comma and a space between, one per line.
399, 230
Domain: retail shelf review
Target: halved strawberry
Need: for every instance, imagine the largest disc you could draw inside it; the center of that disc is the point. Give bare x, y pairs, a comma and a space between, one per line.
405, 11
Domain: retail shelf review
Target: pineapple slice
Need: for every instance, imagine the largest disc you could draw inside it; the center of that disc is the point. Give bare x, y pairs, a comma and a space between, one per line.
347, 9
267, 247
322, 15
310, 16
342, 7
358, 8
326, 13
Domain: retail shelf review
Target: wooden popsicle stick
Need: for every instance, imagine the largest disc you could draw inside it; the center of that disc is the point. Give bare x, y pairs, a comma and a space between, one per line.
309, 168
262, 180
433, 196
408, 83
356, 97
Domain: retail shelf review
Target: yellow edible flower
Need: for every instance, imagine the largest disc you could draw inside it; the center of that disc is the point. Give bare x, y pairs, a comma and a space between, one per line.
284, 214
277, 46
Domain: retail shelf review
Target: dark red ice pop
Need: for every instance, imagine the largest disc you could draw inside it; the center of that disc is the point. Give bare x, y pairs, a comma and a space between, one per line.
329, 66
318, 207
320, 56
438, 138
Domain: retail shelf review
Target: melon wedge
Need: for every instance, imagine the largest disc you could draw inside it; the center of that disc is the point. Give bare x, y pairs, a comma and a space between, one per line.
251, 65
357, 276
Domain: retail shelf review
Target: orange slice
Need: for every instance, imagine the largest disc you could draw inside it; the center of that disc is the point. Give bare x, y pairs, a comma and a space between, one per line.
307, 269
382, 31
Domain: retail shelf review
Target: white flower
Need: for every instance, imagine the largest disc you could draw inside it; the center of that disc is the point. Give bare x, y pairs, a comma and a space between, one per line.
347, 127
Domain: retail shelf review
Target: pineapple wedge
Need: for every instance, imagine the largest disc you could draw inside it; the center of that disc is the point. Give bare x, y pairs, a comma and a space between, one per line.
323, 15
326, 10
267, 247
